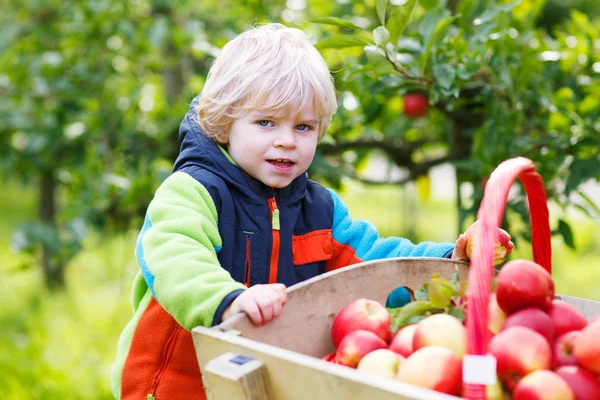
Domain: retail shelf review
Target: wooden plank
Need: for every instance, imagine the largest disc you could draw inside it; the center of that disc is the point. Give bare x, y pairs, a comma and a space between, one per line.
233, 376
590, 308
312, 305
294, 376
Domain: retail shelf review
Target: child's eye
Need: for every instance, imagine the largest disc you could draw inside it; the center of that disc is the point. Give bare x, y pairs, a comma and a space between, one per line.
265, 123
303, 127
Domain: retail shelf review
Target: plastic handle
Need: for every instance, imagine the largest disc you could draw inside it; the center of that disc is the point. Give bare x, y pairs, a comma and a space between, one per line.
481, 272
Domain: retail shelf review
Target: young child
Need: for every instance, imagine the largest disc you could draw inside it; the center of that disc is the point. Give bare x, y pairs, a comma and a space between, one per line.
238, 220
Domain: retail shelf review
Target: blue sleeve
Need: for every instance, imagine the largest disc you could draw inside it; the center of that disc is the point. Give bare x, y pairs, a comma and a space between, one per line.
362, 236
226, 302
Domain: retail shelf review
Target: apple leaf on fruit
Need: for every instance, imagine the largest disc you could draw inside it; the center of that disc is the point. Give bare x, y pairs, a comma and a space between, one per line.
441, 291
438, 295
457, 312
403, 315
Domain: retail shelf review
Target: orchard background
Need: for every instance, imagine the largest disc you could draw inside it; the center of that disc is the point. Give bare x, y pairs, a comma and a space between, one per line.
92, 93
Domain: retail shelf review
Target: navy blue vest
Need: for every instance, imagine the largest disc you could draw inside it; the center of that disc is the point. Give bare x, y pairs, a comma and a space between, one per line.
245, 217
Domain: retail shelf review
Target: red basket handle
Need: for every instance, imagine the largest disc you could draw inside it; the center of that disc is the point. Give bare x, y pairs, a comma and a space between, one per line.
481, 272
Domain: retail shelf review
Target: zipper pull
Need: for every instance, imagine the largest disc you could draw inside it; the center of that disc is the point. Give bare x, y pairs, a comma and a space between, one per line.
275, 219
274, 213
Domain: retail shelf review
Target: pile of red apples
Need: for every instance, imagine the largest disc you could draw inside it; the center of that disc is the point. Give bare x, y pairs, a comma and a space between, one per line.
545, 349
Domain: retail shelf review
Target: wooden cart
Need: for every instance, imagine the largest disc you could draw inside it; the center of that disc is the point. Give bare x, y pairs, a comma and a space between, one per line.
281, 360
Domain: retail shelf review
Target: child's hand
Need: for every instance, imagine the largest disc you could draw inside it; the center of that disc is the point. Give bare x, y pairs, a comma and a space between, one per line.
463, 248
262, 303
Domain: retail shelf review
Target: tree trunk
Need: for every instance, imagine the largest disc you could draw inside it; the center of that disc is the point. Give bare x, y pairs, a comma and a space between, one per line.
54, 270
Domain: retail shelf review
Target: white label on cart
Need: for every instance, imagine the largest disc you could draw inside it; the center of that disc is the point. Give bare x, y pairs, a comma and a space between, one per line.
479, 370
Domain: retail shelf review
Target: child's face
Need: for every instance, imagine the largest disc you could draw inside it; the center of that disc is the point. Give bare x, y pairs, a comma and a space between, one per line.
275, 149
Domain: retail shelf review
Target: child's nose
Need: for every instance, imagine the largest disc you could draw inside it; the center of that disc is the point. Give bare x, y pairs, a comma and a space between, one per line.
286, 138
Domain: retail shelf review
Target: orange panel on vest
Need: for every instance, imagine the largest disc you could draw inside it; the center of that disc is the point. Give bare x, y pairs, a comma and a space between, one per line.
312, 247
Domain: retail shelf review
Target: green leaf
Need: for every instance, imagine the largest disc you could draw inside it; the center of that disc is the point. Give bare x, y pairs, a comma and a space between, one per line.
490, 13
376, 57
401, 316
399, 18
441, 292
428, 4
458, 313
429, 21
445, 74
567, 233
423, 294
439, 31
591, 204
581, 171
380, 6
341, 41
381, 36
465, 8
335, 21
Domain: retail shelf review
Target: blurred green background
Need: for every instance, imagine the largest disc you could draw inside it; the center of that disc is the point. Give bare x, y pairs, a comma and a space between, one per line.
92, 93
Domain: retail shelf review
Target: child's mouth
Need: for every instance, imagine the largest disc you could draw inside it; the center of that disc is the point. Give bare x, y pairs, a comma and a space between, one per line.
281, 162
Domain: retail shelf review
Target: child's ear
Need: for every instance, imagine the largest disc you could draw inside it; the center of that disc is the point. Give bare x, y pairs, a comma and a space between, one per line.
223, 138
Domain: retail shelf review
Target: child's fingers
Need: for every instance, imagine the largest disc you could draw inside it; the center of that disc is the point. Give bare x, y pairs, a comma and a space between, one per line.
266, 308
253, 311
279, 288
510, 247
277, 304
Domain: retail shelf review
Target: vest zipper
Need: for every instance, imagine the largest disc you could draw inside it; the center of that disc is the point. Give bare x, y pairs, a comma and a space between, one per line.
247, 272
276, 240
168, 350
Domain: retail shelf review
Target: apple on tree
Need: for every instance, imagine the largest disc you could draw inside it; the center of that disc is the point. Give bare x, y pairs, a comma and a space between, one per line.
416, 104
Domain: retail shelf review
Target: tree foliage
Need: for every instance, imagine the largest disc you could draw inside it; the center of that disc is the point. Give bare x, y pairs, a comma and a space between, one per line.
499, 87
92, 93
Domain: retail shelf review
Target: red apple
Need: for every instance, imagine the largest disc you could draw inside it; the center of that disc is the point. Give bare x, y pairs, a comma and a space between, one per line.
521, 284
416, 104
532, 318
402, 342
496, 317
566, 317
329, 357
441, 330
543, 385
562, 351
433, 367
519, 351
364, 314
382, 362
587, 347
502, 247
355, 345
584, 384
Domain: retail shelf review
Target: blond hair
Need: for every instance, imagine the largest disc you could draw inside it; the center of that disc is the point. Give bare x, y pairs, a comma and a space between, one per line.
270, 68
